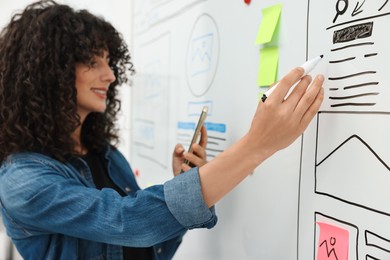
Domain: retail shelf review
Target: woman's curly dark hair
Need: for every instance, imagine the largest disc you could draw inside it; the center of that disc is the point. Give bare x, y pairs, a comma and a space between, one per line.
39, 50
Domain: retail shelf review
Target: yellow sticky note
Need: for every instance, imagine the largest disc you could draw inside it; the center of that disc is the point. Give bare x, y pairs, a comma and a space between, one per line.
268, 24
268, 69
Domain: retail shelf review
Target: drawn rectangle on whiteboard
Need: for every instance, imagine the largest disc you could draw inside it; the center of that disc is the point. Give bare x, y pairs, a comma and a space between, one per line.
195, 108
149, 13
377, 241
351, 157
144, 133
353, 32
151, 101
352, 229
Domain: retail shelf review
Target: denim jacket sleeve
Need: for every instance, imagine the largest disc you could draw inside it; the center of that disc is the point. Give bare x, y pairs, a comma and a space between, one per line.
43, 196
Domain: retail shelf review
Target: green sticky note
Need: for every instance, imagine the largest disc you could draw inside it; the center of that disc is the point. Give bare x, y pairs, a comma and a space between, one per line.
268, 24
268, 69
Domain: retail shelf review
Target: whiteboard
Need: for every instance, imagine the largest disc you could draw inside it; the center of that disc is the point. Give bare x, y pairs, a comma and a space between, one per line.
201, 52
261, 214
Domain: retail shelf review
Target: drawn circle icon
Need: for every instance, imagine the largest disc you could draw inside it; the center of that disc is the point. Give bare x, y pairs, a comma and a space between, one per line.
202, 55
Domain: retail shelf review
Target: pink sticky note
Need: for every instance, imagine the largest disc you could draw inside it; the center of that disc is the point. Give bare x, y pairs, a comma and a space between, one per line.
333, 243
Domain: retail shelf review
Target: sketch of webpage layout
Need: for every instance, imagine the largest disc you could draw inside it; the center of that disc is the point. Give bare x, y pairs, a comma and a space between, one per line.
148, 13
345, 174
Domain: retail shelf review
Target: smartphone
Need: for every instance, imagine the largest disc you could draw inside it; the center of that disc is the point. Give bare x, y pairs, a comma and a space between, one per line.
201, 120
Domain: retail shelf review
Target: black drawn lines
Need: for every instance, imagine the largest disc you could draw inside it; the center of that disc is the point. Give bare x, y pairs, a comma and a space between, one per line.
351, 97
341, 8
353, 32
332, 242
350, 226
352, 58
361, 85
342, 60
363, 142
380, 9
358, 20
357, 10
370, 55
352, 75
377, 241
355, 96
353, 104
352, 45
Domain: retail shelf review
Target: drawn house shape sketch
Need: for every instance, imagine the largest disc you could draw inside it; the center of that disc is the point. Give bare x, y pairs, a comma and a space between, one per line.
345, 173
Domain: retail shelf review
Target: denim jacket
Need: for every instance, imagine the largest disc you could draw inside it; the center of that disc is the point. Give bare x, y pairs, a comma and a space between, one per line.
52, 210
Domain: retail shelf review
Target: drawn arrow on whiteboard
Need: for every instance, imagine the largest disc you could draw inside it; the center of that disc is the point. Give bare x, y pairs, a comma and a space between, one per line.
357, 8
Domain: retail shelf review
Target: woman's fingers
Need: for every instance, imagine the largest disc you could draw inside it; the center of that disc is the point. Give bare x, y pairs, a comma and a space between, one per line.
286, 83
304, 106
299, 90
313, 109
203, 137
198, 156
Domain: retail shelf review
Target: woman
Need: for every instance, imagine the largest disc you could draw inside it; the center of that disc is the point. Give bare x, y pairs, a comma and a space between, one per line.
65, 191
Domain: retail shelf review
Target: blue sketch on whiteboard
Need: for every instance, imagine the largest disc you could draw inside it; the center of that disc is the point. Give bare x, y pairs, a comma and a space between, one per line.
202, 55
194, 108
216, 136
153, 78
186, 125
149, 13
216, 127
151, 109
217, 132
202, 48
144, 133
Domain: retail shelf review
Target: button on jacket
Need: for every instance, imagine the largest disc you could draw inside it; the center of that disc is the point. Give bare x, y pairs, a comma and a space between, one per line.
52, 210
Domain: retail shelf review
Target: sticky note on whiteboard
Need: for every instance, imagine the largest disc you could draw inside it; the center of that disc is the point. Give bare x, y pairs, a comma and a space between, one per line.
333, 242
268, 69
268, 24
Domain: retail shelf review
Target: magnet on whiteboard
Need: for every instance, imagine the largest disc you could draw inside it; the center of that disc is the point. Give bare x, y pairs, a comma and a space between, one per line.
247, 1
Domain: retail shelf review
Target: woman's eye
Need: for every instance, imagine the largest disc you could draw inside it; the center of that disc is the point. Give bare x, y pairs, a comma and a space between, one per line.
93, 64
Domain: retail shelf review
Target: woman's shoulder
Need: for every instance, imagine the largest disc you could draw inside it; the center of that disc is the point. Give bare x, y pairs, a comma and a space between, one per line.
29, 157
25, 170
28, 161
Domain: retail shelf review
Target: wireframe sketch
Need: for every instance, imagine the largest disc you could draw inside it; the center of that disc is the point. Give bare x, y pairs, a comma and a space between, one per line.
151, 115
217, 132
149, 13
345, 176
